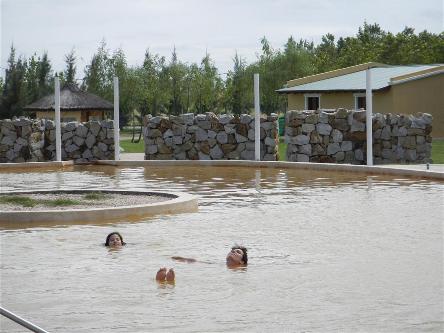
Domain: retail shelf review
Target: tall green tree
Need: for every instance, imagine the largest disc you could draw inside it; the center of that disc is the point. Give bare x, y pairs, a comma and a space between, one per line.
296, 60
30, 91
408, 48
326, 54
365, 47
176, 76
238, 97
270, 81
11, 104
99, 78
45, 76
96, 73
207, 86
70, 70
129, 84
155, 95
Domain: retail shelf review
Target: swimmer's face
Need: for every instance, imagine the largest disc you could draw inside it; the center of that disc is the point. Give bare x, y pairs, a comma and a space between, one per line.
115, 241
234, 257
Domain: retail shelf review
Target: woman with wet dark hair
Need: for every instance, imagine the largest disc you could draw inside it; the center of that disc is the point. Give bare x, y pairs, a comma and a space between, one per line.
114, 240
237, 256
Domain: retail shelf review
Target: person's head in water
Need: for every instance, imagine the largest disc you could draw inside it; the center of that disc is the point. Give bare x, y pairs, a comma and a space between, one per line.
237, 256
114, 239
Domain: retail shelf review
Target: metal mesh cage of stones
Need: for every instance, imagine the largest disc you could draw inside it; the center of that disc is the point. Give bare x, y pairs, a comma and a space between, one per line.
209, 137
33, 140
339, 136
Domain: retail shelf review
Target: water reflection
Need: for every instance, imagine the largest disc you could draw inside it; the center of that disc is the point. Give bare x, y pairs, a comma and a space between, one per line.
166, 285
257, 180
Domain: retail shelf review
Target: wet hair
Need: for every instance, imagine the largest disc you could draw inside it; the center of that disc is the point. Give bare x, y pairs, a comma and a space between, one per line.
114, 233
244, 250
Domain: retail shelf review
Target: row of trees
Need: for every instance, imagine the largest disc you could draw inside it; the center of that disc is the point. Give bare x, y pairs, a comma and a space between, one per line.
174, 87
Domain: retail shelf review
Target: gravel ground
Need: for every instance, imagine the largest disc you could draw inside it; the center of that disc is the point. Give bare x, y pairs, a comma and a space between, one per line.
109, 200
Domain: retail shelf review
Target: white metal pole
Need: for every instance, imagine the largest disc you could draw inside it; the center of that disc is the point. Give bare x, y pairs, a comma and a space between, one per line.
116, 120
369, 114
30, 326
57, 119
257, 120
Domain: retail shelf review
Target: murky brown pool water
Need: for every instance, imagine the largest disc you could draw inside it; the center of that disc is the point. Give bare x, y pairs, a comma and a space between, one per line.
327, 252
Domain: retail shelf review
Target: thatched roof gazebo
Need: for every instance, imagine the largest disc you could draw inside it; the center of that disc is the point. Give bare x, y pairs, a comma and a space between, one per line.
75, 105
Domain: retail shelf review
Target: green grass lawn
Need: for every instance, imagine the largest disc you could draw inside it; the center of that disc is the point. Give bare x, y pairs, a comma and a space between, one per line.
437, 149
282, 148
30, 202
130, 147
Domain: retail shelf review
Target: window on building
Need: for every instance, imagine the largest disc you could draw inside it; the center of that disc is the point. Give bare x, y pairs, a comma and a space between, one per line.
360, 101
312, 101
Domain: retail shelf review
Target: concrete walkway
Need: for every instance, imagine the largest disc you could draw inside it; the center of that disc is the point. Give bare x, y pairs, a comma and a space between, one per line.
132, 156
422, 167
432, 167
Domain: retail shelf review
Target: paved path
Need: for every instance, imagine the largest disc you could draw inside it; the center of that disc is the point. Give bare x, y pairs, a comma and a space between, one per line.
132, 156
432, 167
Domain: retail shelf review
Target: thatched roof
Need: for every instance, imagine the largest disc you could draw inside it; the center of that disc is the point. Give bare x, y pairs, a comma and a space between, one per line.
71, 99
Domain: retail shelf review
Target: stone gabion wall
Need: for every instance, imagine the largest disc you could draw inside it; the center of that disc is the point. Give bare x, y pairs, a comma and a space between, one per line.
339, 136
21, 140
209, 137
27, 140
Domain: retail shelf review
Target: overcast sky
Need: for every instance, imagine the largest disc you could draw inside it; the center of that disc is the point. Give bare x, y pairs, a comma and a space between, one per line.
220, 27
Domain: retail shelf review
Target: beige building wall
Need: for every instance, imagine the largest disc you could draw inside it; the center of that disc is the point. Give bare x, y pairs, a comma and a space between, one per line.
329, 100
424, 95
382, 101
295, 102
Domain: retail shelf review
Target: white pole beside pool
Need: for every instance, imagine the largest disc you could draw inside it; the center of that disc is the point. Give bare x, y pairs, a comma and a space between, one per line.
30, 326
257, 120
116, 120
57, 119
369, 114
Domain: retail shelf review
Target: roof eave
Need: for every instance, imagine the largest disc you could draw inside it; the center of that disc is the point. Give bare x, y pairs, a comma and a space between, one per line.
326, 91
334, 73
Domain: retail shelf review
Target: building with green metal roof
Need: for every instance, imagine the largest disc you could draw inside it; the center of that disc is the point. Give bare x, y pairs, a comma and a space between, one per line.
396, 89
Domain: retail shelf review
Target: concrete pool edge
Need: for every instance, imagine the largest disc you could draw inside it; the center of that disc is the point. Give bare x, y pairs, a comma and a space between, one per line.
179, 203
40, 165
371, 170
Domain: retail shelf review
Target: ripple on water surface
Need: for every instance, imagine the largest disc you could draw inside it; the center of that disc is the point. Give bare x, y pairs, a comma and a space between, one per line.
327, 252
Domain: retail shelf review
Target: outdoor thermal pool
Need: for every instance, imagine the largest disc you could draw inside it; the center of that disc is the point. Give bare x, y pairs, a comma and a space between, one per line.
327, 252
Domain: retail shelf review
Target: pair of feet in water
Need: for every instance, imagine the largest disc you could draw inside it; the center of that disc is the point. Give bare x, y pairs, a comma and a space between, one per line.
165, 275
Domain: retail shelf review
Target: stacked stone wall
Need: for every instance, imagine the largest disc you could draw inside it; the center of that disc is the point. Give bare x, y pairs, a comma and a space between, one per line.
339, 136
33, 140
209, 137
